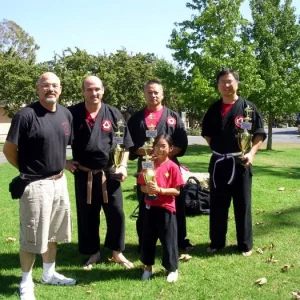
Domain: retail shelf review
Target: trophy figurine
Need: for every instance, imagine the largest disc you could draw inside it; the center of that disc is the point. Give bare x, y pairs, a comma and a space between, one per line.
118, 151
244, 137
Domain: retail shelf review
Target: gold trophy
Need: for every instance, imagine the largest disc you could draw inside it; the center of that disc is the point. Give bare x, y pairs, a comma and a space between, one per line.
245, 137
148, 166
118, 151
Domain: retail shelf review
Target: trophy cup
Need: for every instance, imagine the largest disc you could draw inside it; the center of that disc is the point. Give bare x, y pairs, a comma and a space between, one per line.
118, 151
148, 166
244, 137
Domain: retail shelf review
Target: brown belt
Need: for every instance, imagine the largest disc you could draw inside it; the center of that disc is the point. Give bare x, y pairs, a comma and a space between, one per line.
55, 177
91, 173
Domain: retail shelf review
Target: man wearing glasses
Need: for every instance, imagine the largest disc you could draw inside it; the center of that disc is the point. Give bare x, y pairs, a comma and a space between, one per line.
230, 169
36, 146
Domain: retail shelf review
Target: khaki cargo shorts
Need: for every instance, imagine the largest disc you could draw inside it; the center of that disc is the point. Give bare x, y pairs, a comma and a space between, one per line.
45, 215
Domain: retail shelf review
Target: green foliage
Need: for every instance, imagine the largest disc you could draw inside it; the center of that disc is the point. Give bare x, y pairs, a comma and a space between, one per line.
123, 75
193, 131
275, 33
18, 78
212, 39
15, 42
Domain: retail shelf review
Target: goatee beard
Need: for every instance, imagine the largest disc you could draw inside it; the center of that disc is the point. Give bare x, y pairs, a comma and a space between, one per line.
50, 100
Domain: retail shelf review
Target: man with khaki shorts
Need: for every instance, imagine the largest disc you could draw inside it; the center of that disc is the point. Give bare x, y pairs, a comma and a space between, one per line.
36, 146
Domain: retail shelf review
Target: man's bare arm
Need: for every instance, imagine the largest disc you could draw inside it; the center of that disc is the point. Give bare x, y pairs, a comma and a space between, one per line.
10, 150
207, 138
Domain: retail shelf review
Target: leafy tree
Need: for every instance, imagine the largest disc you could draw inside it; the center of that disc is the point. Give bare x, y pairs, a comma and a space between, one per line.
18, 78
15, 42
122, 73
212, 39
275, 32
71, 67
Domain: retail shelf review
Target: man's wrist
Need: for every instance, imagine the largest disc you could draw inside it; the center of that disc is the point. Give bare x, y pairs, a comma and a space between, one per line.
124, 165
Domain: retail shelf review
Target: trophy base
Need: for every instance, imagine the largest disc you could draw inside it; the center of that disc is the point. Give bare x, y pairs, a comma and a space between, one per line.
151, 197
239, 160
116, 176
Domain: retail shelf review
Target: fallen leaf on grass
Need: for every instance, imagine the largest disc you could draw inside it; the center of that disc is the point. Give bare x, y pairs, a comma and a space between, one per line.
259, 223
269, 247
259, 251
281, 189
272, 259
161, 292
88, 267
261, 281
185, 257
10, 239
89, 292
278, 213
285, 268
296, 294
258, 211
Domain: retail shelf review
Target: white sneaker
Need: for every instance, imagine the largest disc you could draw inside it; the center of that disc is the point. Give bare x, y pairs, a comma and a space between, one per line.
172, 276
146, 275
58, 279
27, 291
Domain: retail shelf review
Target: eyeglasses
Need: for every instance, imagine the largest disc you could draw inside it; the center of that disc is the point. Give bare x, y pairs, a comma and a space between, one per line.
47, 86
227, 82
158, 146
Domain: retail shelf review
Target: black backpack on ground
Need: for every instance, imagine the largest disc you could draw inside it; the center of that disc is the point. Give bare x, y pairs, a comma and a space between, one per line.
197, 199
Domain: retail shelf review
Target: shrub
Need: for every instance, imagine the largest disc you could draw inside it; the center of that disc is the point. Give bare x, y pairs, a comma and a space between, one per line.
194, 131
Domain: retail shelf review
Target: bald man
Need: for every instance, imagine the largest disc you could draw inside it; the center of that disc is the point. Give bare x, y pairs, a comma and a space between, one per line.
95, 124
36, 146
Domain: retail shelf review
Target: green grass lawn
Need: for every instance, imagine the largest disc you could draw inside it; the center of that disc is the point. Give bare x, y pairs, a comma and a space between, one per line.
225, 275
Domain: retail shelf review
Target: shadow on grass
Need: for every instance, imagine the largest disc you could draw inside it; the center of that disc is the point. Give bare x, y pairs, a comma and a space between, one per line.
283, 218
288, 173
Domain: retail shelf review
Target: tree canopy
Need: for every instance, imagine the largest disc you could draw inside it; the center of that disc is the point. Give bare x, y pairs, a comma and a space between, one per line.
15, 42
264, 51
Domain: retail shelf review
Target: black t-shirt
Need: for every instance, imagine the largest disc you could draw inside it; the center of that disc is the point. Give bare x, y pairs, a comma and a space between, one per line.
42, 137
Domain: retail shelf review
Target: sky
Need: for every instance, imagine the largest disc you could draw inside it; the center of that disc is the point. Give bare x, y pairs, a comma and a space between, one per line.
99, 26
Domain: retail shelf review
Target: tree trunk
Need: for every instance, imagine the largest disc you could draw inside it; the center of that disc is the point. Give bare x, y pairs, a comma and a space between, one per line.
269, 139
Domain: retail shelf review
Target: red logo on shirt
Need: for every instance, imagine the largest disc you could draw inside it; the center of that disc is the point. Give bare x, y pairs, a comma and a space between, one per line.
66, 128
106, 125
171, 121
238, 121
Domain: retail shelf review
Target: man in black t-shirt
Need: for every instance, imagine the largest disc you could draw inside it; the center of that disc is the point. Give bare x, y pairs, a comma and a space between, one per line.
36, 146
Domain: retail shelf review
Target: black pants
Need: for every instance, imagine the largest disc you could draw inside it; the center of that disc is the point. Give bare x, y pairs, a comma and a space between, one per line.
161, 224
180, 218
88, 215
220, 198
